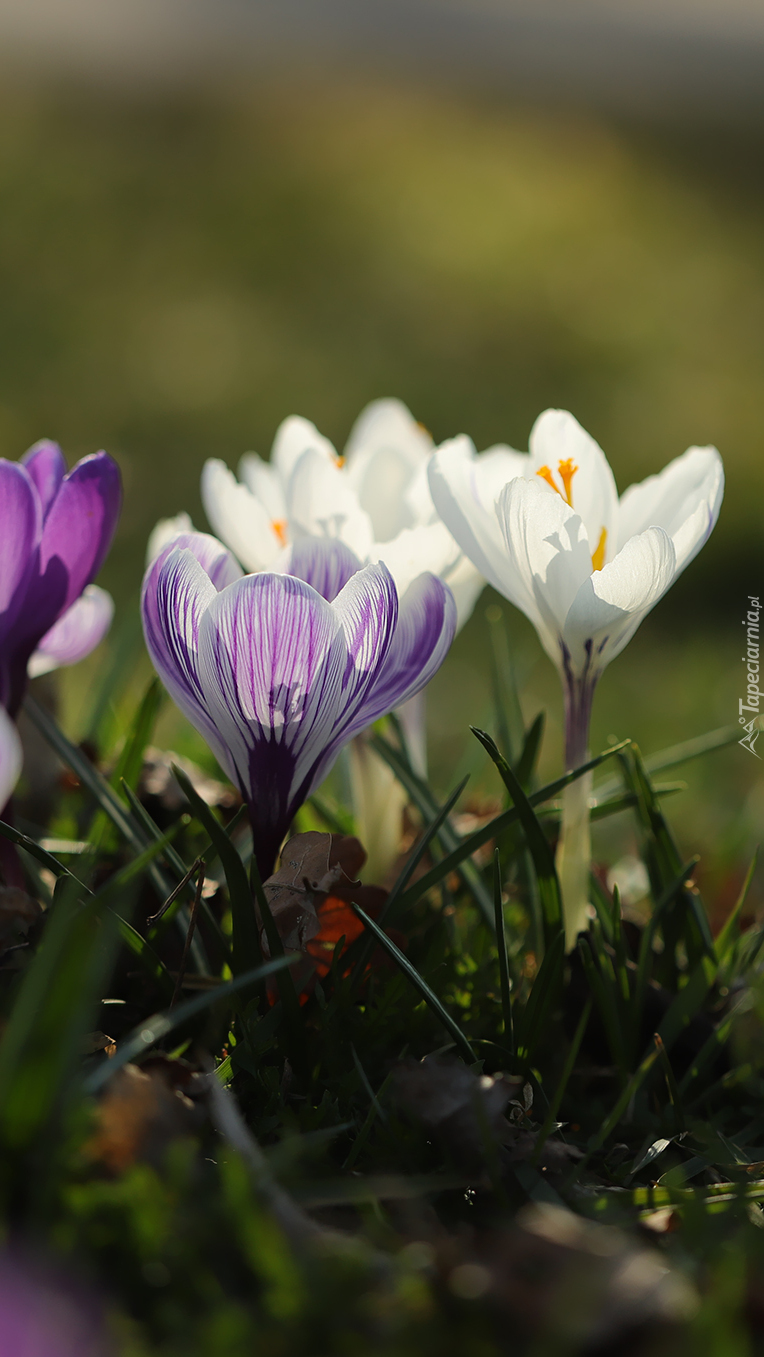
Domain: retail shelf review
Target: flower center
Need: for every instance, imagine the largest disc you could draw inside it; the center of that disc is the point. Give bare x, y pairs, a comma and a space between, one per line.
280, 528
339, 461
566, 471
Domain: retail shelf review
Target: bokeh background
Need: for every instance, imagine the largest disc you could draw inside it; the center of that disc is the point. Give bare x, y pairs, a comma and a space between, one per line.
215, 213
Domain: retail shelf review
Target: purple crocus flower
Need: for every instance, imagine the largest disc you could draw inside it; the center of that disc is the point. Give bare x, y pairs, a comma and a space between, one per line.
55, 530
279, 671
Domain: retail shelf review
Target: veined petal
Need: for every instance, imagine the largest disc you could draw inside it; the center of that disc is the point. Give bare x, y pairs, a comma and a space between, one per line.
265, 483
558, 437
79, 526
464, 490
216, 560
322, 503
611, 603
684, 499
20, 528
271, 657
238, 518
547, 557
11, 757
294, 437
423, 635
176, 594
47, 467
322, 562
78, 631
165, 531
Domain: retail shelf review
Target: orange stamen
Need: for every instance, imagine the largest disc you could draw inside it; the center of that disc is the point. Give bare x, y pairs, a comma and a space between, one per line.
547, 476
567, 471
340, 460
279, 527
598, 556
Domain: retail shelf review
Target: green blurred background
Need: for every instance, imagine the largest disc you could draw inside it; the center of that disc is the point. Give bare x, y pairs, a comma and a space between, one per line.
182, 268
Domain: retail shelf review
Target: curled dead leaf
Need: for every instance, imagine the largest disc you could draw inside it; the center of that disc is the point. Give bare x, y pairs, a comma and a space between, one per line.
142, 1111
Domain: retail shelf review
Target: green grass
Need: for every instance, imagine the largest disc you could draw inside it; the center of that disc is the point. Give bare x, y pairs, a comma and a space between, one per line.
320, 1193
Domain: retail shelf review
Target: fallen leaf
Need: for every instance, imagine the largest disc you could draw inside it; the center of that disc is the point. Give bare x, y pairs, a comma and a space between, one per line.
140, 1114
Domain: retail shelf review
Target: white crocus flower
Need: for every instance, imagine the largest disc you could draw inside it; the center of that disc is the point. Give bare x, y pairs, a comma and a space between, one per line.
374, 497
548, 531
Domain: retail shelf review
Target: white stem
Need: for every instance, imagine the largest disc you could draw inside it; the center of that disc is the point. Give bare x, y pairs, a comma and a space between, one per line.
378, 804
574, 853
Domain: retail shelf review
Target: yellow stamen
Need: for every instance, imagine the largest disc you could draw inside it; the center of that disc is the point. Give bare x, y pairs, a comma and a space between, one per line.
340, 460
598, 556
567, 471
279, 527
547, 476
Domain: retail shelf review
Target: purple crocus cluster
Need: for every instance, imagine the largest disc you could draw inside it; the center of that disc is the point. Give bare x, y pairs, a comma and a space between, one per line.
279, 670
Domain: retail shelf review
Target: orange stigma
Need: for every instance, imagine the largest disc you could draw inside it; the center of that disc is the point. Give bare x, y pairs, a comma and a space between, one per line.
598, 556
567, 471
547, 476
339, 460
279, 527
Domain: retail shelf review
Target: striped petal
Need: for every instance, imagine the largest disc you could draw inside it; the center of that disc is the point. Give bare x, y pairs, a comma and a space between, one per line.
11, 756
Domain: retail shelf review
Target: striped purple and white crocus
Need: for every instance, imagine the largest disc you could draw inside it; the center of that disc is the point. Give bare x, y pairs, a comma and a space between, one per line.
279, 670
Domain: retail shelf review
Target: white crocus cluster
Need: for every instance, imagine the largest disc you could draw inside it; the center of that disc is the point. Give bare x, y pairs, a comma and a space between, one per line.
374, 497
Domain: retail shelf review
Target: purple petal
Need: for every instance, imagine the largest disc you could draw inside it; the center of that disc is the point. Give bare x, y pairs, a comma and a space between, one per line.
425, 630
20, 527
176, 593
78, 529
78, 631
271, 662
324, 562
47, 468
215, 559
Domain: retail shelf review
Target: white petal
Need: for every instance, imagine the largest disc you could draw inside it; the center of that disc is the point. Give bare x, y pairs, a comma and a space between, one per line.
264, 482
11, 757
684, 499
166, 530
385, 424
416, 549
557, 436
78, 631
294, 437
464, 490
466, 584
322, 503
385, 452
239, 519
547, 556
611, 603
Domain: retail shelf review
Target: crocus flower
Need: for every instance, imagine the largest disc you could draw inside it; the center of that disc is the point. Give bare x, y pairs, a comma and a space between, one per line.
278, 676
374, 498
548, 531
55, 530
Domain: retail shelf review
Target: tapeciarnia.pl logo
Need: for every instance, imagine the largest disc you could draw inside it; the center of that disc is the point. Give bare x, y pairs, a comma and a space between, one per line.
750, 703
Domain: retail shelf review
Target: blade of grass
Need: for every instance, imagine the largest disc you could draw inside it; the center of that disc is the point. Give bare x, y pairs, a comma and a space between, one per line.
287, 992
419, 984
611, 1121
246, 940
529, 753
729, 932
559, 1093
544, 994
538, 844
489, 831
501, 944
159, 1025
